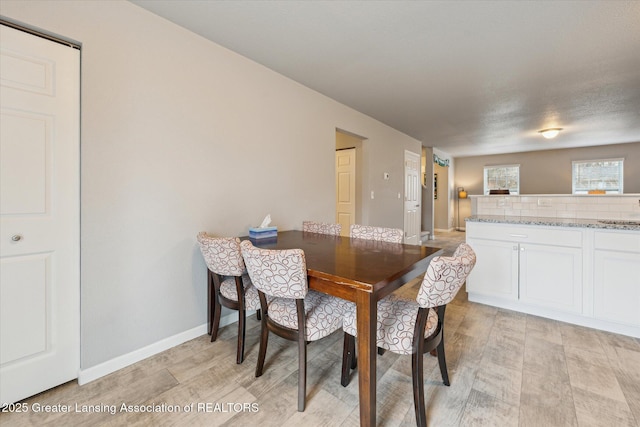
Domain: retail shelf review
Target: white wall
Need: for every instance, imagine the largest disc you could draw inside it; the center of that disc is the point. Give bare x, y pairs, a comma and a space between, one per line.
383, 153
181, 135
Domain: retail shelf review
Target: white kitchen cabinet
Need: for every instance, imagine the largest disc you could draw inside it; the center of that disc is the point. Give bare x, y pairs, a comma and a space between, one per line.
532, 265
616, 277
586, 276
496, 269
551, 276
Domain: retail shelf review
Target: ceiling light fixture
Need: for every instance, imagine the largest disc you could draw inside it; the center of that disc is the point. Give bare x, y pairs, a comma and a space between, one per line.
550, 132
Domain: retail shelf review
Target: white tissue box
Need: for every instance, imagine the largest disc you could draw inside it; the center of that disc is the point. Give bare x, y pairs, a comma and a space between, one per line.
263, 233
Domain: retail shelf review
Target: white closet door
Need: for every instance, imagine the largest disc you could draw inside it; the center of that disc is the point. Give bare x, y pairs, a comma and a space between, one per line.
39, 214
412, 198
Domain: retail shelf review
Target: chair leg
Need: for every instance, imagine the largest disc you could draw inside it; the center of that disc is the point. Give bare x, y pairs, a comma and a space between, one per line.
302, 373
242, 317
418, 389
216, 317
210, 303
442, 361
347, 359
258, 316
241, 334
264, 339
354, 359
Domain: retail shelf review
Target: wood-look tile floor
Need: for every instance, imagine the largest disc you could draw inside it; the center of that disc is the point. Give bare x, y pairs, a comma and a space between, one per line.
506, 369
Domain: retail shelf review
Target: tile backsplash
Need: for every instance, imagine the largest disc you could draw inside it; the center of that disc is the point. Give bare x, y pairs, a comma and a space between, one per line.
560, 206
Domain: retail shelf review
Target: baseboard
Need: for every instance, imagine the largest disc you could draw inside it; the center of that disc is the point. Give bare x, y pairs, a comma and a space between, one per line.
90, 374
550, 313
444, 230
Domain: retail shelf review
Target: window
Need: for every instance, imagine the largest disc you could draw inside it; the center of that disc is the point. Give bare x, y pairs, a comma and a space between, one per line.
597, 176
502, 177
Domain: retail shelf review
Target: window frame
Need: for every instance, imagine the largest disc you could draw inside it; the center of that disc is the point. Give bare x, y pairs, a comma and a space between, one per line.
620, 181
484, 179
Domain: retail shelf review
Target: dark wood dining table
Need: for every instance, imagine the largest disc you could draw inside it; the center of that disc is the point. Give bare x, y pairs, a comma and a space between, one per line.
362, 271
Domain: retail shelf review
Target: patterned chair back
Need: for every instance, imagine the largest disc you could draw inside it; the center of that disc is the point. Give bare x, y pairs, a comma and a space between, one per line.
381, 234
279, 273
222, 254
464, 250
445, 276
322, 227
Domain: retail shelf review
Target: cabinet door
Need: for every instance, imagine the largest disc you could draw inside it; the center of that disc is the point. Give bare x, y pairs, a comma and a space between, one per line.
496, 270
551, 276
617, 286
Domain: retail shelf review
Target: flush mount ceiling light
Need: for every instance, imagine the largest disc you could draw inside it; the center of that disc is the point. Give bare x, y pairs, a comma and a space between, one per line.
550, 132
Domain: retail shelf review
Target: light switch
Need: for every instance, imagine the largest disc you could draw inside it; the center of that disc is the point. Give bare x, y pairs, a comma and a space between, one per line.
372, 194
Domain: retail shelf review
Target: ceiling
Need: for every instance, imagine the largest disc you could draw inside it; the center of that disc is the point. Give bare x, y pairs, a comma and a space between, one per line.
466, 77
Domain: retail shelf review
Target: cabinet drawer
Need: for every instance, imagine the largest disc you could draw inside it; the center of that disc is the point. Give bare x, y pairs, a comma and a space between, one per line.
622, 241
526, 234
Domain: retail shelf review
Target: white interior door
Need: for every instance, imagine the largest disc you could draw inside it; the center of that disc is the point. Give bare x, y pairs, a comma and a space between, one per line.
412, 198
346, 188
39, 214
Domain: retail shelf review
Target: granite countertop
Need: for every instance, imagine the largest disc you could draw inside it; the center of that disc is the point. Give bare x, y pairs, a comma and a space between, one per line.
631, 225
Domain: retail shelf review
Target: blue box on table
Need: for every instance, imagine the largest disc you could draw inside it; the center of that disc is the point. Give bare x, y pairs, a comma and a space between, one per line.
263, 233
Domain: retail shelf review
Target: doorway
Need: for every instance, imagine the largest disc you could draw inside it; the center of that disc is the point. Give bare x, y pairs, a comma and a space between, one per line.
349, 155
39, 214
345, 189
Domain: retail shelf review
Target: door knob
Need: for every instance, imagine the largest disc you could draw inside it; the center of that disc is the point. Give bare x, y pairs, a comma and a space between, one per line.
16, 237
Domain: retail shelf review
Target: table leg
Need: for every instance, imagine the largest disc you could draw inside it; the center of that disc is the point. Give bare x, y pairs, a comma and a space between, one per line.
366, 307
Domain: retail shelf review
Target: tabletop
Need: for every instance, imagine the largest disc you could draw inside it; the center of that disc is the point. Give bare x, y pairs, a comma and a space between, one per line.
365, 264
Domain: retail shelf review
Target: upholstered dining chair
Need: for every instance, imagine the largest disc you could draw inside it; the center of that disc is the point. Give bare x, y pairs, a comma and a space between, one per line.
415, 327
293, 312
322, 227
381, 234
229, 284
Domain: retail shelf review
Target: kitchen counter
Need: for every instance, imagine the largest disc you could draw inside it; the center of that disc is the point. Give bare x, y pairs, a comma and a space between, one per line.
579, 271
629, 225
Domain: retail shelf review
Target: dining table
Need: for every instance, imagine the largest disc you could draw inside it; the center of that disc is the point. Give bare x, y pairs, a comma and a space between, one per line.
362, 271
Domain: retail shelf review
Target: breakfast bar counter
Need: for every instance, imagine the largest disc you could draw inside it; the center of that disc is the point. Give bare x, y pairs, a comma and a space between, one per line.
608, 224
580, 271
